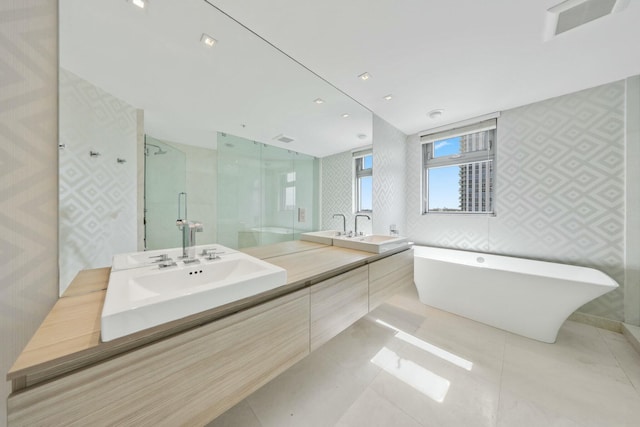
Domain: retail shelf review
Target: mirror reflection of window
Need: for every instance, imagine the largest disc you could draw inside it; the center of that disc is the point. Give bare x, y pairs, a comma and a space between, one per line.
363, 195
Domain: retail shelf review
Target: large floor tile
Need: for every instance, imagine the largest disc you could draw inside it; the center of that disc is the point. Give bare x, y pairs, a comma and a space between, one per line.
371, 410
435, 391
240, 415
626, 355
354, 348
579, 383
314, 392
522, 413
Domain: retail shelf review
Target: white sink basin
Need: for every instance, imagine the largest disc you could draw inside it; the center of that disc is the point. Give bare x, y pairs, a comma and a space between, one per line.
141, 298
150, 258
373, 243
325, 237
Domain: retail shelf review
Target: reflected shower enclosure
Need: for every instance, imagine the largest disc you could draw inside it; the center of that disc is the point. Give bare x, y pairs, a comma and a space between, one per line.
165, 171
266, 194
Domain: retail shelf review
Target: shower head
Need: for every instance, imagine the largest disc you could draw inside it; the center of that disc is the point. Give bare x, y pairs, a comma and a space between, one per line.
146, 149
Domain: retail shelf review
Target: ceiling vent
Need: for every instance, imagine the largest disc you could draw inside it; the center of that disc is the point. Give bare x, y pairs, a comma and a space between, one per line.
283, 138
574, 13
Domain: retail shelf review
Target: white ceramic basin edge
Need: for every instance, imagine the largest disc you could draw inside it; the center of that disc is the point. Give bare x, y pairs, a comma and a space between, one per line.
141, 298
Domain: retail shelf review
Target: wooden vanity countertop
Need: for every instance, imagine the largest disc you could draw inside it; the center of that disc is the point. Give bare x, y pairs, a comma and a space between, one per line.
69, 337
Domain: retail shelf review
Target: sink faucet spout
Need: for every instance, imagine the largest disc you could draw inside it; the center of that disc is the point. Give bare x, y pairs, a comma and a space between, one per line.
344, 222
356, 223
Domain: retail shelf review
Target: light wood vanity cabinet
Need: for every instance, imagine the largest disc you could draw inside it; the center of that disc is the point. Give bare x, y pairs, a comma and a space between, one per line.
388, 275
337, 303
190, 376
186, 379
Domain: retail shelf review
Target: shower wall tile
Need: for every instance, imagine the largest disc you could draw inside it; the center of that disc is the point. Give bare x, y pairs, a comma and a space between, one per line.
560, 192
389, 152
28, 174
98, 208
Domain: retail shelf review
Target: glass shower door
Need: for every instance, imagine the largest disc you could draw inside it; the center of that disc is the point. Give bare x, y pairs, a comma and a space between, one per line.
165, 177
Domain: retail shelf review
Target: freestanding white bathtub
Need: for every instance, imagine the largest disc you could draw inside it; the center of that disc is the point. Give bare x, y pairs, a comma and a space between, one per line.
527, 297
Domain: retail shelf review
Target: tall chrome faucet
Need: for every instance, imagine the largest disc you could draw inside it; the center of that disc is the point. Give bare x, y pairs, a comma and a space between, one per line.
189, 230
356, 223
344, 222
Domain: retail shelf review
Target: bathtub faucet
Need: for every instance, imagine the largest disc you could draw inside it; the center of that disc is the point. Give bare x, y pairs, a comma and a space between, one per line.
344, 223
356, 224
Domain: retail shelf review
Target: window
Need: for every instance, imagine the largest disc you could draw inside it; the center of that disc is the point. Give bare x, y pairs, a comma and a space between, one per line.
288, 191
363, 194
459, 169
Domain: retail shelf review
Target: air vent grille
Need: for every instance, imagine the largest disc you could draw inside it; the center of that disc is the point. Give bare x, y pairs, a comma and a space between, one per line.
283, 138
574, 13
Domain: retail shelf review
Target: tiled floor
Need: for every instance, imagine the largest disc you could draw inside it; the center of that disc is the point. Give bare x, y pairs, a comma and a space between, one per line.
406, 364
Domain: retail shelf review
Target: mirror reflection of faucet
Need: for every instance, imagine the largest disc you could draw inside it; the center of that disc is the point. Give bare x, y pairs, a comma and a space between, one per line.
344, 223
189, 230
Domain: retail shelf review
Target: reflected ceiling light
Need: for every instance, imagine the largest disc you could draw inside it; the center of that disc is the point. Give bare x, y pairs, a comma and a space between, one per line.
388, 97
364, 76
140, 3
430, 348
435, 114
362, 136
431, 385
319, 101
208, 40
345, 115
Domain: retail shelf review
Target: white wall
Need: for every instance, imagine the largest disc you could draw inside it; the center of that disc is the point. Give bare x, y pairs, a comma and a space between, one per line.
98, 210
389, 189
28, 174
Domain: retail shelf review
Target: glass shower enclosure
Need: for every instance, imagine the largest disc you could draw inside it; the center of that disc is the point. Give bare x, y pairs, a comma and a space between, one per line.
266, 194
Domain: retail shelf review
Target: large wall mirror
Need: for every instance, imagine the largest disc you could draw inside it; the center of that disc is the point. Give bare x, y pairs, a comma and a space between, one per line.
178, 97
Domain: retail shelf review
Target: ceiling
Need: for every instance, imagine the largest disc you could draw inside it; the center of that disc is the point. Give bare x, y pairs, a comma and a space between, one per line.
467, 57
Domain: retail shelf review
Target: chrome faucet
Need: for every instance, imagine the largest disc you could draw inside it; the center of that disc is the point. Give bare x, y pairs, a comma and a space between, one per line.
344, 222
356, 223
189, 229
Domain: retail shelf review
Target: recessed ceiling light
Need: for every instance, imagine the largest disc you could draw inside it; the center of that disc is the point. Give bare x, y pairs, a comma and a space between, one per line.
208, 40
140, 3
364, 76
319, 101
388, 97
345, 115
435, 114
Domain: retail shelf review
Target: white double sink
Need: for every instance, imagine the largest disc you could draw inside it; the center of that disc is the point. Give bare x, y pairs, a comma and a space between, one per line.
375, 243
142, 295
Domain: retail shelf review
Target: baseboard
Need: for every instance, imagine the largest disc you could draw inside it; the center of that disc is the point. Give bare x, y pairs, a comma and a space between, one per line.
598, 322
633, 335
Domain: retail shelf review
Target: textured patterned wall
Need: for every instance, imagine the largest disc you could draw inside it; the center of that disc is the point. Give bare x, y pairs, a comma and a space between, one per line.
337, 193
98, 211
560, 189
28, 173
389, 153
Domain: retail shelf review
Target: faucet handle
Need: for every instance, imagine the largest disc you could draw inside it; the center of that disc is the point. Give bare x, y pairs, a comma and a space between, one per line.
161, 257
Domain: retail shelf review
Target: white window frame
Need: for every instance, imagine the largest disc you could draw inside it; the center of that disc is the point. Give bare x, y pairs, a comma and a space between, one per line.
471, 158
359, 173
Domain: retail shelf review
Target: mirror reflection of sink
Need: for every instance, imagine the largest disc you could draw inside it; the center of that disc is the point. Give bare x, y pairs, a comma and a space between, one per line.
325, 237
375, 243
141, 298
150, 258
